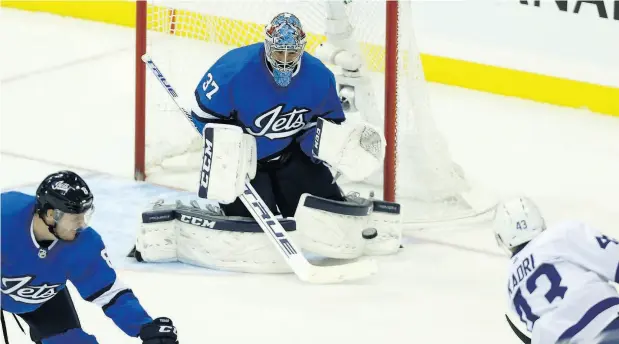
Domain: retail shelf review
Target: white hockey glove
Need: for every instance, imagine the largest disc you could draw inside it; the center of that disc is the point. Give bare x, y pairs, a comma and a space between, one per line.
229, 157
354, 149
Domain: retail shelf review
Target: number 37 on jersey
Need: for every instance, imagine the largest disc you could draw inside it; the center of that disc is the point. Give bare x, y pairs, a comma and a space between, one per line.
209, 86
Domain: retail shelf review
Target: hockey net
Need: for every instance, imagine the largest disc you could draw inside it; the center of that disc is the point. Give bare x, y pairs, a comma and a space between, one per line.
186, 37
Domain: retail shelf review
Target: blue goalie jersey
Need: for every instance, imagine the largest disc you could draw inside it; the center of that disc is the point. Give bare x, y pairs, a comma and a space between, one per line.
239, 89
32, 275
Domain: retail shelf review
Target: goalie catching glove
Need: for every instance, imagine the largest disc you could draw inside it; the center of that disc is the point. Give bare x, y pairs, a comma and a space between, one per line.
354, 149
229, 157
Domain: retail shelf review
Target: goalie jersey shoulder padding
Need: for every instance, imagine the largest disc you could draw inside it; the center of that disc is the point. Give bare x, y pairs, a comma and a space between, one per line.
240, 89
558, 283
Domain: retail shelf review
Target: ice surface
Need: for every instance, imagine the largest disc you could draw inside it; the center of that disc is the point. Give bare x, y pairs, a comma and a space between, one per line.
67, 101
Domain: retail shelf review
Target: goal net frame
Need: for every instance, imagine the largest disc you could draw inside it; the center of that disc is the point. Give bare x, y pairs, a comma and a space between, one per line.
432, 184
389, 176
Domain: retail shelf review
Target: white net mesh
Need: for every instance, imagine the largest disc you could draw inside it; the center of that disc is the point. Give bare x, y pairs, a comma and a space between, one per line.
186, 37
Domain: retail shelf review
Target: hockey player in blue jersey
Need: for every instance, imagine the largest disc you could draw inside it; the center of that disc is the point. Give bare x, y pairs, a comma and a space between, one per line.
45, 242
271, 112
559, 277
274, 92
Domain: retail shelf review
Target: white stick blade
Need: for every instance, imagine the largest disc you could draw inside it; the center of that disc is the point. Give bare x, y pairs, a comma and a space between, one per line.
340, 273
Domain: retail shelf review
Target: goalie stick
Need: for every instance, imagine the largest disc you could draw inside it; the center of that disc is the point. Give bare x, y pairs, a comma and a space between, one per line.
271, 226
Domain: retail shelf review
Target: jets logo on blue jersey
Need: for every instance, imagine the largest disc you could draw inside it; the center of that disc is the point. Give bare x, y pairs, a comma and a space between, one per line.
19, 289
276, 124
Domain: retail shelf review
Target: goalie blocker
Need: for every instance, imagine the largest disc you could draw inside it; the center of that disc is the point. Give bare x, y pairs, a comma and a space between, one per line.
205, 237
229, 157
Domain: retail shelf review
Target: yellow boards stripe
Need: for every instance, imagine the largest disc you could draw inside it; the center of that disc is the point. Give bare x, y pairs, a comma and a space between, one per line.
498, 80
533, 86
112, 12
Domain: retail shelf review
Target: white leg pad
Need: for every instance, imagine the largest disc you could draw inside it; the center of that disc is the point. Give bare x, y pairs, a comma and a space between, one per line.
196, 236
386, 219
229, 250
330, 228
156, 237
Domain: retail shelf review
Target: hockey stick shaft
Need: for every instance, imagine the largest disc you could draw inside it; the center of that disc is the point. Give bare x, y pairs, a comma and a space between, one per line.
523, 337
4, 331
171, 91
271, 226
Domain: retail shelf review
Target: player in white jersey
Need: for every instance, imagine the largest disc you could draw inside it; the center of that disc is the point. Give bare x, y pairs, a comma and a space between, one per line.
559, 277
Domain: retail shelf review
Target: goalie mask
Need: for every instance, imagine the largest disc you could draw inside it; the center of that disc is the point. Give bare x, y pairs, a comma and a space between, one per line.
284, 45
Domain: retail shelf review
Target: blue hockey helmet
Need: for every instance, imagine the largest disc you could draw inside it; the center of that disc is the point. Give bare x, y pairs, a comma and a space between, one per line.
284, 44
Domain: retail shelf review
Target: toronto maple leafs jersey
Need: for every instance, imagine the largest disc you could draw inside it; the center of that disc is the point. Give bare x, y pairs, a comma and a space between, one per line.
32, 274
239, 89
559, 283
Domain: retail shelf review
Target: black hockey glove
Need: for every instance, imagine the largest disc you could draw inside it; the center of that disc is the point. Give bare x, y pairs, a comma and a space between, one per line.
159, 331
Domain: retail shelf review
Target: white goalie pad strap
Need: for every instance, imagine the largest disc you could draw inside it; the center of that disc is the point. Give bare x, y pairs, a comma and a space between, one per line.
330, 228
229, 156
355, 149
386, 220
228, 243
156, 238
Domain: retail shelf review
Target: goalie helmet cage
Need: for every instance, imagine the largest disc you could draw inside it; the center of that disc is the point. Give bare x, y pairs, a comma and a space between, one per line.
186, 37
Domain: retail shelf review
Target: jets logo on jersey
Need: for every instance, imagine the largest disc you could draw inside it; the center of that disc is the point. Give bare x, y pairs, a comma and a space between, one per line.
19, 289
276, 125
